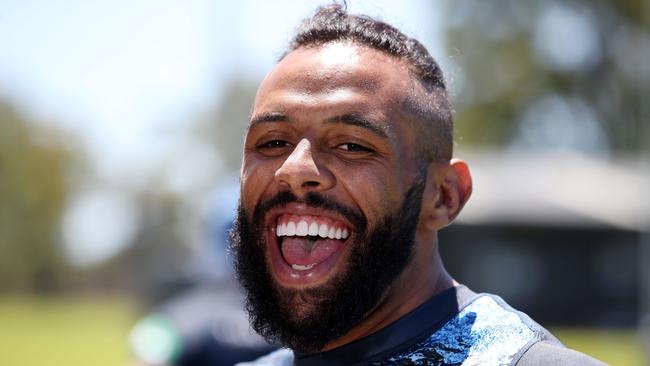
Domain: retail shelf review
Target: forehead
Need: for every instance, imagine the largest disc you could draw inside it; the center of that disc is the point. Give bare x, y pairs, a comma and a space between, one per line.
340, 72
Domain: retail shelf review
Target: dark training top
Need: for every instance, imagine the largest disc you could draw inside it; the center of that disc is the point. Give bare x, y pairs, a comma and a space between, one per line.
456, 327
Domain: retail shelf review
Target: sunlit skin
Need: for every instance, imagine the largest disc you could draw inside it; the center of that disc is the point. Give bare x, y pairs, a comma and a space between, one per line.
301, 138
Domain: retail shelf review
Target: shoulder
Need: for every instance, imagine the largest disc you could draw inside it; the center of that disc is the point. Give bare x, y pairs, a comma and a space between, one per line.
543, 348
506, 319
484, 330
546, 353
281, 357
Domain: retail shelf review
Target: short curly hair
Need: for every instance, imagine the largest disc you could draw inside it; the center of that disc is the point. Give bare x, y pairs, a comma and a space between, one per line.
333, 23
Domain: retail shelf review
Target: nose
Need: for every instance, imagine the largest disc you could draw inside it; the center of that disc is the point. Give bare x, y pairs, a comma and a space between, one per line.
301, 171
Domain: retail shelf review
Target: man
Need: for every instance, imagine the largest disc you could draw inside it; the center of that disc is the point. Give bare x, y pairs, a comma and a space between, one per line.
347, 176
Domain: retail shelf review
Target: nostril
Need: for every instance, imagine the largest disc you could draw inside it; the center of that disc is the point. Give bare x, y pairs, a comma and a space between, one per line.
310, 183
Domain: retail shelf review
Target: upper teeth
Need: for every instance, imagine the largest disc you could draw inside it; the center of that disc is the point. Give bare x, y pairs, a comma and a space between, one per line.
314, 229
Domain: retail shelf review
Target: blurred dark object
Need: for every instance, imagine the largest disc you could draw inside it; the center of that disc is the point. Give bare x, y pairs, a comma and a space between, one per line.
567, 276
197, 315
201, 326
559, 236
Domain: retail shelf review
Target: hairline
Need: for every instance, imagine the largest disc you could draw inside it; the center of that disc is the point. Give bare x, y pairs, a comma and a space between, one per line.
416, 103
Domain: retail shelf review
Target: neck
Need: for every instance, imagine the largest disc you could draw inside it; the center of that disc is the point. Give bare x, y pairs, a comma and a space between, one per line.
424, 278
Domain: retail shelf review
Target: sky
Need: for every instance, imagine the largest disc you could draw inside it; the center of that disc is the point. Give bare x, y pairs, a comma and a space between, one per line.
126, 79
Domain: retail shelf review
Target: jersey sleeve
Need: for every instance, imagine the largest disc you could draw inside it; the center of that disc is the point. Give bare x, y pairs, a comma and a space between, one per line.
548, 354
281, 357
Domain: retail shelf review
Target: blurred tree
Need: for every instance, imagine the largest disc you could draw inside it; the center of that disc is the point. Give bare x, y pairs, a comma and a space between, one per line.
33, 163
224, 127
568, 74
156, 263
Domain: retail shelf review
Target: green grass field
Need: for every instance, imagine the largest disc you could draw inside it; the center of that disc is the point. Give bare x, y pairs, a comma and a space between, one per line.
622, 347
83, 332
70, 332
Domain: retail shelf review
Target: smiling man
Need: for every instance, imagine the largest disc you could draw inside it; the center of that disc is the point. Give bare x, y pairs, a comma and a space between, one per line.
347, 176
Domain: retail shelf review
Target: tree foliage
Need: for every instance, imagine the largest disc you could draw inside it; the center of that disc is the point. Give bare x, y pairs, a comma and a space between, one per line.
33, 188
501, 49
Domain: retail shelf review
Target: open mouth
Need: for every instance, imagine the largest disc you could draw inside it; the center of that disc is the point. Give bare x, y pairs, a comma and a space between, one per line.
306, 241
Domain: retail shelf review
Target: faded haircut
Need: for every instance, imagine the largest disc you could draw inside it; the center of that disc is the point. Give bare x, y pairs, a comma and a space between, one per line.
430, 108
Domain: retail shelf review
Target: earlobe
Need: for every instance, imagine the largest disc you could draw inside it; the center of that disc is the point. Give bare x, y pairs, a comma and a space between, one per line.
448, 189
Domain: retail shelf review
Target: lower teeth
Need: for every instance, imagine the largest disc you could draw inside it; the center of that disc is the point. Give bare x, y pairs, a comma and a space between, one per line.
299, 267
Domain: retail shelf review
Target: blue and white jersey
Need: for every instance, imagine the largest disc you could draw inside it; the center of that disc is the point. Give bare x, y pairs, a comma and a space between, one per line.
457, 327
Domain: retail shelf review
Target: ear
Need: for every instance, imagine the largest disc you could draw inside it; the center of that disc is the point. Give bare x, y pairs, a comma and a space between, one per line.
447, 190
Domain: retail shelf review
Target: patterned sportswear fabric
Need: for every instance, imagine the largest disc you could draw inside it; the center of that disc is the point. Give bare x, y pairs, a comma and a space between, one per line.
457, 327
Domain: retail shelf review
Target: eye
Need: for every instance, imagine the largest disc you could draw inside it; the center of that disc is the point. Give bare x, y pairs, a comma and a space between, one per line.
272, 148
351, 147
273, 144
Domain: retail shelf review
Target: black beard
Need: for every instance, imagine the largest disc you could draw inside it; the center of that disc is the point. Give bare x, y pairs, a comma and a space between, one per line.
377, 258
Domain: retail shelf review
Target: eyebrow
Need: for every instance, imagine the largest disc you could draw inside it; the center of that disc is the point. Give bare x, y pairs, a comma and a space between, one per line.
268, 117
378, 129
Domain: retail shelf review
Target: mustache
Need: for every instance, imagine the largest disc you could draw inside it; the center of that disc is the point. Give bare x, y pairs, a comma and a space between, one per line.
313, 200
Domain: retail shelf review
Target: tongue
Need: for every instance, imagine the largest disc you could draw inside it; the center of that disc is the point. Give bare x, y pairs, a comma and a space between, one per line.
299, 250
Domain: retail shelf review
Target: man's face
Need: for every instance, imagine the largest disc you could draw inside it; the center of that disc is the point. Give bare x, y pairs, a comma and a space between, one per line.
331, 192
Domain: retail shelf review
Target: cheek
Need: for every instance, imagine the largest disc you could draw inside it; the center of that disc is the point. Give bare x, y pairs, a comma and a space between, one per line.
374, 193
256, 177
